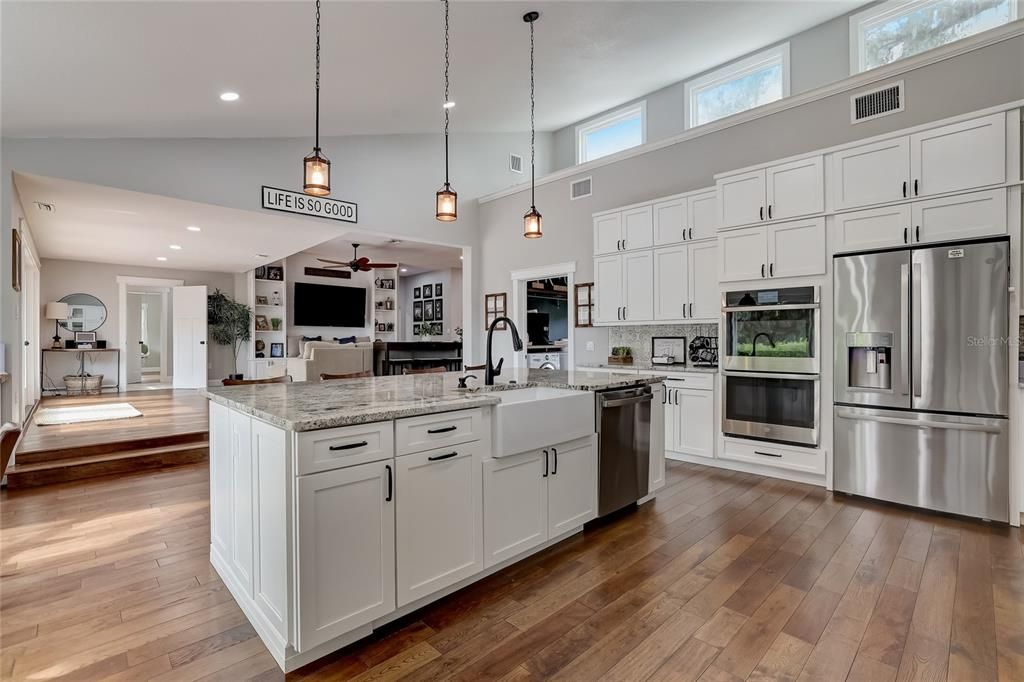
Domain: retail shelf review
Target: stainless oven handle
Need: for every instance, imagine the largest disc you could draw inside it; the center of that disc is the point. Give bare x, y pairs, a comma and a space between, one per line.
758, 308
774, 375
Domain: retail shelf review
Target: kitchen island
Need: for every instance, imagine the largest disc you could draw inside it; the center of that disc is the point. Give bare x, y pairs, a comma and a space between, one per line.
336, 507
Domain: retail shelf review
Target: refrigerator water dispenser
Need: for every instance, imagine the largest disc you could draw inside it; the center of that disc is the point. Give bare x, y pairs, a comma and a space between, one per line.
869, 360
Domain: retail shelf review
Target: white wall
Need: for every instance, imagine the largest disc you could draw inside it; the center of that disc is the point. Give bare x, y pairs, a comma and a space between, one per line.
294, 272
59, 278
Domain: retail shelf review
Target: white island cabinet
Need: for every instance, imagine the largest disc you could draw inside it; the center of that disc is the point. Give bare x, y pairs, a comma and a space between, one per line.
326, 525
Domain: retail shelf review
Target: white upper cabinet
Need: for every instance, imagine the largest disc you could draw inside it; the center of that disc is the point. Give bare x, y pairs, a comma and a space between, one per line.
743, 254
608, 289
873, 228
874, 173
959, 156
964, 216
638, 228
797, 248
638, 276
796, 189
607, 233
670, 221
670, 283
702, 271
702, 221
741, 198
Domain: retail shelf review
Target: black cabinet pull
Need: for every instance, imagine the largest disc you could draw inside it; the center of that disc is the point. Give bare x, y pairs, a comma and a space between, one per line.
766, 454
545, 464
438, 458
904, 189
917, 233
769, 211
554, 469
444, 429
904, 235
771, 269
391, 483
664, 396
691, 233
624, 311
762, 269
691, 310
348, 446
760, 213
915, 188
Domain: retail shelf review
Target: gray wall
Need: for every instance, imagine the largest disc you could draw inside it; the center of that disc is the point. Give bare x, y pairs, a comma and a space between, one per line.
818, 56
982, 79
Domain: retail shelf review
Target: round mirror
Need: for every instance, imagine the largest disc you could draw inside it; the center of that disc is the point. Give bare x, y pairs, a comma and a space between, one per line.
86, 313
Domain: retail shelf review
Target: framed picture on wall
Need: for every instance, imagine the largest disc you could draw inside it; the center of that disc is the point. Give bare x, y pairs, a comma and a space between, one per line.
416, 328
275, 273
438, 309
416, 292
277, 350
428, 311
417, 311
428, 291
437, 290
262, 324
494, 307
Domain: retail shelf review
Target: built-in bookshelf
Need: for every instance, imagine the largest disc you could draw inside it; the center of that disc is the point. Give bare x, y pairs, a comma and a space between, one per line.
384, 309
269, 300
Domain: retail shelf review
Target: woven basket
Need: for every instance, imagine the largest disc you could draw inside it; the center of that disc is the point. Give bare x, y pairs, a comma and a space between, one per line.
83, 385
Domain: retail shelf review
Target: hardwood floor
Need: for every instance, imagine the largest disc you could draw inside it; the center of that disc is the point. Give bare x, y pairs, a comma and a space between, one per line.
725, 576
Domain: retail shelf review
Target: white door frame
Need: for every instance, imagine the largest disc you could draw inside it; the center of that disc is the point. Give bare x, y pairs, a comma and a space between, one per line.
31, 351
518, 310
123, 282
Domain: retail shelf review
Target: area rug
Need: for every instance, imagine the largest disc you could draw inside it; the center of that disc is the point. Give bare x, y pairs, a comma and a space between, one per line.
85, 413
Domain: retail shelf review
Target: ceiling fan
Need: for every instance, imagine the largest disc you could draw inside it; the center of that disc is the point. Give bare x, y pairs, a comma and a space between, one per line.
357, 264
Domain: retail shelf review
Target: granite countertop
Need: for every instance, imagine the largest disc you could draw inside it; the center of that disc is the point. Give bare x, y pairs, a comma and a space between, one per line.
650, 367
309, 406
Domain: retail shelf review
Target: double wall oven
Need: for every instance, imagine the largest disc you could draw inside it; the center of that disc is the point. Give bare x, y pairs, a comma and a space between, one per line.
771, 362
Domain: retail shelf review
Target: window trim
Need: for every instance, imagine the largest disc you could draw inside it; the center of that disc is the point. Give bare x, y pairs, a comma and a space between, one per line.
619, 115
778, 53
885, 11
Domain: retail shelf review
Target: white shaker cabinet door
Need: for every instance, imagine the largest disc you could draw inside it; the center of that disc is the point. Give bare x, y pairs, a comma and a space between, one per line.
670, 222
702, 220
638, 274
872, 228
743, 254
964, 216
515, 505
346, 565
638, 228
609, 289
220, 479
439, 507
241, 555
572, 485
670, 283
607, 233
797, 248
959, 156
795, 189
874, 173
656, 467
741, 199
702, 270
697, 422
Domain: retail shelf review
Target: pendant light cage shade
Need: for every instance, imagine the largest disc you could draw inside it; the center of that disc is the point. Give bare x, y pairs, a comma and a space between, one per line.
447, 208
532, 224
317, 174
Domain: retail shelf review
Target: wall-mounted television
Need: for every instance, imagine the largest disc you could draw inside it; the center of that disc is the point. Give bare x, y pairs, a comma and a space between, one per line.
325, 305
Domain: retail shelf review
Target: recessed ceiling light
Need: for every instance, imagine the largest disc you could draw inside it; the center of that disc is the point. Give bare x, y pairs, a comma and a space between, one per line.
448, 105
193, 228
161, 257
175, 247
460, 257
229, 96
405, 269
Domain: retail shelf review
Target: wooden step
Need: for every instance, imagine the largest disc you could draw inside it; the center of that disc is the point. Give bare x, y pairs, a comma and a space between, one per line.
29, 474
113, 445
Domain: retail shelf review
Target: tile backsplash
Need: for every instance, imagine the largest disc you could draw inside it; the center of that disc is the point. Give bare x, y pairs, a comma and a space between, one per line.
639, 337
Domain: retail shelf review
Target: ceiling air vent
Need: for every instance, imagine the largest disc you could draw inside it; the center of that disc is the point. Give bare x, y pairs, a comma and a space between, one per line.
45, 207
882, 101
515, 163
581, 188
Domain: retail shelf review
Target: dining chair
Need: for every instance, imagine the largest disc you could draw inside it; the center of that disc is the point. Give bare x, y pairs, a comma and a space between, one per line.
428, 370
285, 379
324, 376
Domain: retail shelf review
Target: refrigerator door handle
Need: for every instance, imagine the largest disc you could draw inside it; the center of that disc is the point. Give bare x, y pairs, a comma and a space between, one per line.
915, 311
987, 425
905, 329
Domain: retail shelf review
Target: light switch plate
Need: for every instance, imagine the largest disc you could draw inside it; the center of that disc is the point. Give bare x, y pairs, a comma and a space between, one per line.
590, 345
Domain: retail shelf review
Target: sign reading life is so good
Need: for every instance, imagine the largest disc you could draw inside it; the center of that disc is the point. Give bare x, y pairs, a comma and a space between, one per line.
285, 200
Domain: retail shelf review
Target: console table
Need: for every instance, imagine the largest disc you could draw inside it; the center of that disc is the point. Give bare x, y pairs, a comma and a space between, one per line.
81, 366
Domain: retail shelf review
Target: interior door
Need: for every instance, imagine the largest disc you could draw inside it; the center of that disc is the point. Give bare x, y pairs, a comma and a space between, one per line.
189, 311
133, 325
959, 326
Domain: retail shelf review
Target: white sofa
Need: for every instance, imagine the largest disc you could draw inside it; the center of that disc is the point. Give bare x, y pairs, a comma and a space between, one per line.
326, 357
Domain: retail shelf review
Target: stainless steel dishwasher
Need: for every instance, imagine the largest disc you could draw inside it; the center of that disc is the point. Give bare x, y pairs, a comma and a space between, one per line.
624, 442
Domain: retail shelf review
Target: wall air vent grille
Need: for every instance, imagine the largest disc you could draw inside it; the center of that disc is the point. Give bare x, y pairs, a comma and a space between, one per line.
882, 101
583, 187
515, 163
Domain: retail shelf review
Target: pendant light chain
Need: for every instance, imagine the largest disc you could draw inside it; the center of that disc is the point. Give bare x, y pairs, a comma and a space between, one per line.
447, 64
533, 134
446, 200
316, 144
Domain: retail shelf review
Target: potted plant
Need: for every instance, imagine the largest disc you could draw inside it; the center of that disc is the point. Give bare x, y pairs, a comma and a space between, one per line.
229, 323
621, 355
426, 330
275, 323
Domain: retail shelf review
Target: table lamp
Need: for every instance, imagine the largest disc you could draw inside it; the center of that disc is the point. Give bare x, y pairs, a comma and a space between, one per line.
57, 311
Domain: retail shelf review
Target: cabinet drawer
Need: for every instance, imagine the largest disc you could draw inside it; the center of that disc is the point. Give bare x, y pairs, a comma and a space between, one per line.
808, 461
344, 447
417, 434
700, 382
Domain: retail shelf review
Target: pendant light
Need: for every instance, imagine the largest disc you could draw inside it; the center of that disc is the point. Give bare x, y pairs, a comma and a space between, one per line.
532, 220
446, 207
316, 175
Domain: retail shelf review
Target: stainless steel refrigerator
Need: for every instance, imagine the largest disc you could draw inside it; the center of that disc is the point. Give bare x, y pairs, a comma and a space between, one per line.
922, 377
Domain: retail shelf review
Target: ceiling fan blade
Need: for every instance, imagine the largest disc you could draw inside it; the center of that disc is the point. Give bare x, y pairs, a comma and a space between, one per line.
336, 262
362, 261
382, 265
364, 267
